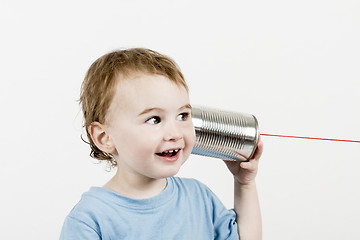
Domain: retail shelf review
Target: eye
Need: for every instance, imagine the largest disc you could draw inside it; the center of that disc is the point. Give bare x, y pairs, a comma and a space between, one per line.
153, 120
183, 116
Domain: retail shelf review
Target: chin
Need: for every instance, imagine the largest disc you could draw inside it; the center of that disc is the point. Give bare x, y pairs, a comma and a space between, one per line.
170, 172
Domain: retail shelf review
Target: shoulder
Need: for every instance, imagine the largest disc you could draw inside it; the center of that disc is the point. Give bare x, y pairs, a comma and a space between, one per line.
193, 186
90, 200
92, 206
83, 219
201, 200
188, 182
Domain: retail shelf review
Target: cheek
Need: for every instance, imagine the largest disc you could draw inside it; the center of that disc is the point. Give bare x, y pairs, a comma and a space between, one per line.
190, 137
135, 142
144, 142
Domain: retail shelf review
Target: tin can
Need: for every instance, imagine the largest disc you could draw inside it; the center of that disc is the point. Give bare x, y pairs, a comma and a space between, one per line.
226, 135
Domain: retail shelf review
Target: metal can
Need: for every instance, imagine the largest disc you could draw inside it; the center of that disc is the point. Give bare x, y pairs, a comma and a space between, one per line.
226, 135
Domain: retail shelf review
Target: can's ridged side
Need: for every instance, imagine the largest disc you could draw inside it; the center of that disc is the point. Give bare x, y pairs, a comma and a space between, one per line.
225, 135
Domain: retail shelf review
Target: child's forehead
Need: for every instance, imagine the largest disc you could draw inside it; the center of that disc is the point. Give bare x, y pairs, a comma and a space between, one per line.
145, 82
149, 91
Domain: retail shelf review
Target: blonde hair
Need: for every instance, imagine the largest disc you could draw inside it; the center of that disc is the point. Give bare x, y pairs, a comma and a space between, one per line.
98, 87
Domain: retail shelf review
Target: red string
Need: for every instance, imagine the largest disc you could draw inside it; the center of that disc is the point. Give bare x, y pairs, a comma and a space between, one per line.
313, 138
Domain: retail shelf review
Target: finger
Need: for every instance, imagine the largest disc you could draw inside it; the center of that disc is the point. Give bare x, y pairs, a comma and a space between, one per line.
251, 165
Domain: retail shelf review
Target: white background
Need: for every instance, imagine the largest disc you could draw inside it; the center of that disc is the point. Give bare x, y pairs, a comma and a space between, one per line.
293, 64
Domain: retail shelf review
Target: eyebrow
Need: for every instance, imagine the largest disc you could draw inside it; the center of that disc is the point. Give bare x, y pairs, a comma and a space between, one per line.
187, 106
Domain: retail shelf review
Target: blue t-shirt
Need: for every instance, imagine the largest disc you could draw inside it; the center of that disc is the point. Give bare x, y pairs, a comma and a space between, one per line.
186, 209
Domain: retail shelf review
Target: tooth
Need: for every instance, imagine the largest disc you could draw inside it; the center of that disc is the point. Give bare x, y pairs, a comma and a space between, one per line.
170, 151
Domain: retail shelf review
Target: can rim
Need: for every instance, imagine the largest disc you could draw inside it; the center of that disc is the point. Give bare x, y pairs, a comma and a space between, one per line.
256, 139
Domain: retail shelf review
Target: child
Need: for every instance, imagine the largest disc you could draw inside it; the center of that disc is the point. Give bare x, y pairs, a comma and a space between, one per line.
138, 118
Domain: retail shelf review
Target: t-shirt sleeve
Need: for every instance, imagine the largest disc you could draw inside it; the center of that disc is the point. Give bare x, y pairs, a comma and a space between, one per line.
225, 225
75, 229
224, 220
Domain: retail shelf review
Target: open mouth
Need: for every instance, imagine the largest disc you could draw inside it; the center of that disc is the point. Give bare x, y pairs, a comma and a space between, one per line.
170, 153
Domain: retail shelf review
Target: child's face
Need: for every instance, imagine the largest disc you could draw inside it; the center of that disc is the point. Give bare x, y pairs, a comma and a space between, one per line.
150, 126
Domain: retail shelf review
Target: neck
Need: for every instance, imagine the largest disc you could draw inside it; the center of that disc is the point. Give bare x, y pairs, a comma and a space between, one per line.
135, 186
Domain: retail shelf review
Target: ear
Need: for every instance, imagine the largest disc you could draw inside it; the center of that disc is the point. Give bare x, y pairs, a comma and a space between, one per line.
101, 138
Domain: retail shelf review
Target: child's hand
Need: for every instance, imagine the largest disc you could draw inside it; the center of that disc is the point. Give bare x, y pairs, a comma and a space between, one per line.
245, 172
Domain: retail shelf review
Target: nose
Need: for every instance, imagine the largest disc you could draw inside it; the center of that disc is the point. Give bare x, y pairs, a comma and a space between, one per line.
172, 132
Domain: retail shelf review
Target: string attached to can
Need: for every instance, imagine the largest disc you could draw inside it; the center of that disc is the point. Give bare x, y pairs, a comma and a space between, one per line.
310, 138
232, 136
